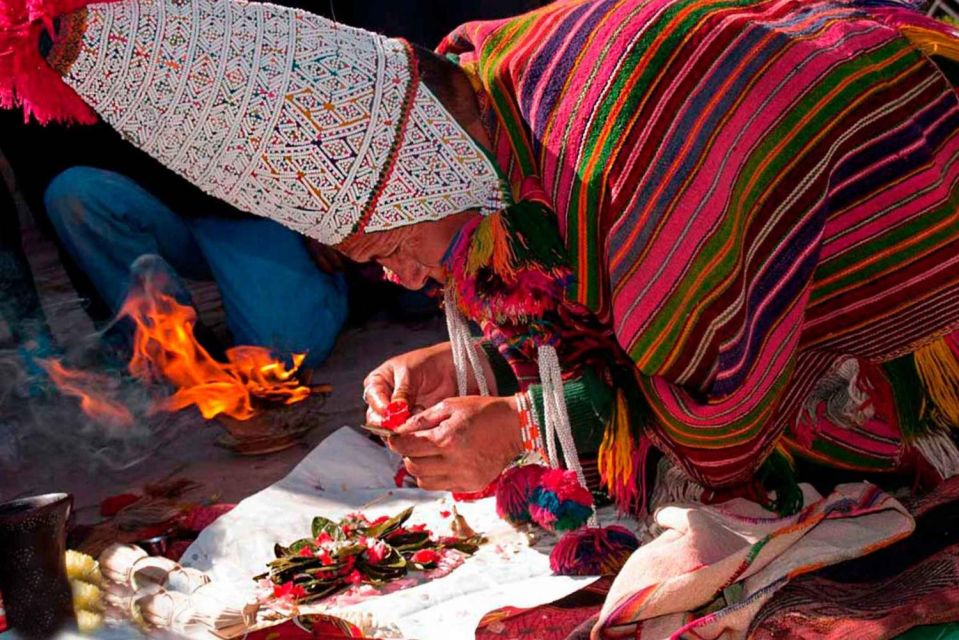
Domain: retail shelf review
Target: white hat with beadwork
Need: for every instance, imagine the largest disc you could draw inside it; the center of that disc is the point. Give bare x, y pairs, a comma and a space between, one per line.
284, 114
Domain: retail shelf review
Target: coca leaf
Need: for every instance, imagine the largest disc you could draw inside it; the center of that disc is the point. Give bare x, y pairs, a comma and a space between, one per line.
389, 568
349, 550
413, 541
423, 566
386, 527
468, 546
299, 545
320, 591
321, 524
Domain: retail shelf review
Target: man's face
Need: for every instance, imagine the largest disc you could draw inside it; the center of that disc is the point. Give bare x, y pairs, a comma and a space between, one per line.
413, 253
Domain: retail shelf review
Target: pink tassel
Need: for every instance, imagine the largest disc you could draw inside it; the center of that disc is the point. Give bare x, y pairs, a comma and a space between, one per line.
592, 551
26, 80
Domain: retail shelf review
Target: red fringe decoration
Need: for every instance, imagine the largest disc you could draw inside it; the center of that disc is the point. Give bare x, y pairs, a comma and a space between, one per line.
26, 80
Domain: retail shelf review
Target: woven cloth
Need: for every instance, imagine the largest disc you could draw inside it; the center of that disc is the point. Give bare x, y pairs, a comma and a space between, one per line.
713, 568
751, 192
281, 113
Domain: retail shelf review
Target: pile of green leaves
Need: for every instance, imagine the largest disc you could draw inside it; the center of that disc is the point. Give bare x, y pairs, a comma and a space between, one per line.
355, 550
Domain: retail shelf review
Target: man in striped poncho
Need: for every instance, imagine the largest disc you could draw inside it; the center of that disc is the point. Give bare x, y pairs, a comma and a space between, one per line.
758, 204
733, 221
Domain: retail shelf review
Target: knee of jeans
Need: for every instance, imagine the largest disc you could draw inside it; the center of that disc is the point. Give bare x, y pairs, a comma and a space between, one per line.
310, 328
71, 196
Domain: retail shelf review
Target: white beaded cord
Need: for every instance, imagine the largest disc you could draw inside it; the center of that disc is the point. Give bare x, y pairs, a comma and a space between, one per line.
557, 418
464, 351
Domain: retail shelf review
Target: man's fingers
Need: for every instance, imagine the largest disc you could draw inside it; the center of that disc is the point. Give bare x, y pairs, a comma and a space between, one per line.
401, 386
427, 419
426, 467
414, 445
373, 418
377, 392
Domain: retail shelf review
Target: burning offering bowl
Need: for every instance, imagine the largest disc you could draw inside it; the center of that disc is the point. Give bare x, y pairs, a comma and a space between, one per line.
274, 428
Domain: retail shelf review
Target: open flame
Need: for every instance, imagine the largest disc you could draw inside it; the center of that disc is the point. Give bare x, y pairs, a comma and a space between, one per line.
88, 387
165, 350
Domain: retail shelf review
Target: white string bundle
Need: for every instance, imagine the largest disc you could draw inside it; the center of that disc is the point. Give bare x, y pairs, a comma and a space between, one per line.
556, 417
464, 351
168, 595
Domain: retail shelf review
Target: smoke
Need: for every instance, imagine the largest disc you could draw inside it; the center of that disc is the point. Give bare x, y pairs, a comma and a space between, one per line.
40, 424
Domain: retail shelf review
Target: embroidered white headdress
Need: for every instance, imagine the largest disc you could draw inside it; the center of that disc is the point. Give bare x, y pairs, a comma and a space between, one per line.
284, 114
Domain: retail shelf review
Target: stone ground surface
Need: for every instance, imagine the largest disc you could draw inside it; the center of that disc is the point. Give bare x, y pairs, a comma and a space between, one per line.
57, 456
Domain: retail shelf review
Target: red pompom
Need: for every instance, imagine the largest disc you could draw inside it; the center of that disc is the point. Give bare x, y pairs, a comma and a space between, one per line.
513, 492
592, 551
26, 80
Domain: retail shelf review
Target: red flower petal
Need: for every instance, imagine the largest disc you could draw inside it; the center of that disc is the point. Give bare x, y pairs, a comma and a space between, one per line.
426, 556
397, 413
355, 577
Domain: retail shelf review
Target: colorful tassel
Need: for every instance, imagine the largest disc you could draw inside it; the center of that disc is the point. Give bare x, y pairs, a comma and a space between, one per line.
514, 490
593, 551
26, 79
621, 461
510, 266
938, 370
560, 502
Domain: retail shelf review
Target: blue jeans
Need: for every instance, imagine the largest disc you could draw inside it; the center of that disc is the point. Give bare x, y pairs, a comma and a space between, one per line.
273, 293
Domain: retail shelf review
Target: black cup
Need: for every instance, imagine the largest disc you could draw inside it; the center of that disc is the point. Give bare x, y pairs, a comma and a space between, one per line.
33, 572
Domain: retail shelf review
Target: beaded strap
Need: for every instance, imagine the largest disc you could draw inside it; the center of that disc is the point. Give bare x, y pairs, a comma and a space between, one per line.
529, 430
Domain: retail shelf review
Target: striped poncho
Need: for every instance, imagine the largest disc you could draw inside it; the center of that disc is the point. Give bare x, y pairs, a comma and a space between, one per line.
759, 199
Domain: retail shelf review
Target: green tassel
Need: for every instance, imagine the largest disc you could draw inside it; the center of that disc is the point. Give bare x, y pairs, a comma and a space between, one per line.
908, 396
534, 236
777, 474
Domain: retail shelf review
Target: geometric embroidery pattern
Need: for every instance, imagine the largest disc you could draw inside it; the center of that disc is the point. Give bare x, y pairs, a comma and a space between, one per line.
281, 113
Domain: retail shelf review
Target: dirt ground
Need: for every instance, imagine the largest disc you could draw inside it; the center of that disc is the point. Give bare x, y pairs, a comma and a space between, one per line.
191, 452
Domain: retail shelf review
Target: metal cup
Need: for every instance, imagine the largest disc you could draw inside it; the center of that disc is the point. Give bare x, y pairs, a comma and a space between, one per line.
33, 572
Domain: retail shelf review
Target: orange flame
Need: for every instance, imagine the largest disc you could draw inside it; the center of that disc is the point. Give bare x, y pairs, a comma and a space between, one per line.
87, 386
166, 349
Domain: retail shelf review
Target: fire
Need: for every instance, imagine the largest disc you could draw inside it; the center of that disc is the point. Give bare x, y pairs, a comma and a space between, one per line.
166, 349
87, 387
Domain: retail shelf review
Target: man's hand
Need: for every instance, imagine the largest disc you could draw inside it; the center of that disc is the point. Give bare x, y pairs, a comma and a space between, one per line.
421, 378
460, 444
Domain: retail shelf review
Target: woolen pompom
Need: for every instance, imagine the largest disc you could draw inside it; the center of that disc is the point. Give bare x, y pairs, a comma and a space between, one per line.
560, 502
514, 490
592, 551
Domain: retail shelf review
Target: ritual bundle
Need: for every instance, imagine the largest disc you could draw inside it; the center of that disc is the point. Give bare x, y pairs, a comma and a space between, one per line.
357, 550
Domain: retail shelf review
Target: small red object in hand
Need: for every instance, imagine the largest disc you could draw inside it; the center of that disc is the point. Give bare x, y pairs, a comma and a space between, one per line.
397, 413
